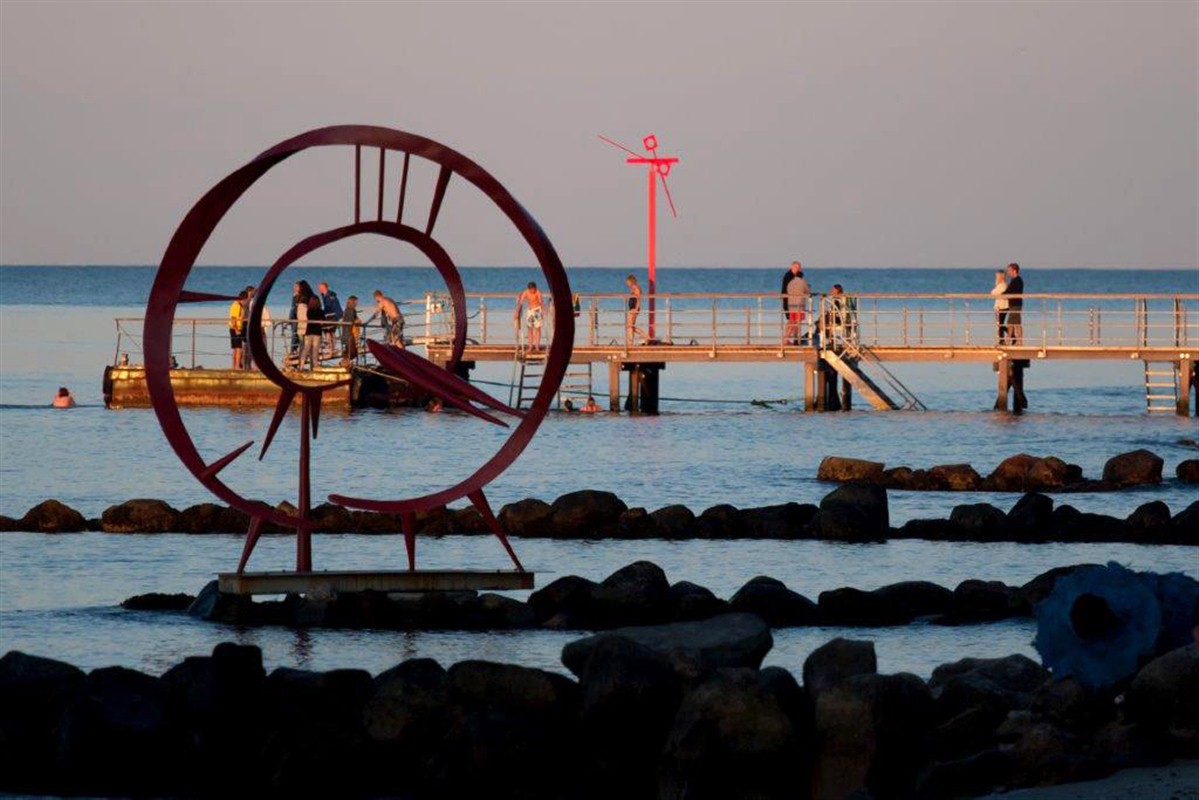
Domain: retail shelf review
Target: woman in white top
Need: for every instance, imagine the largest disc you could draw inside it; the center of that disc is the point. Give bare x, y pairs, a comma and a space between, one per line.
1000, 305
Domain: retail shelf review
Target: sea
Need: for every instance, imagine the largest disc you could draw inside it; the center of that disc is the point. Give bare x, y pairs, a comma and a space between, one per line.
726, 433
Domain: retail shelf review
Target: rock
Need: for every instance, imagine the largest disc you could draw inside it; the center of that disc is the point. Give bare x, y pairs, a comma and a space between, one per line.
629, 695
980, 522
408, 706
467, 521
1012, 474
511, 689
527, 518
1045, 754
372, 523
212, 518
1015, 673
769, 599
1072, 525
1133, 469
854, 512
1030, 519
838, 469
140, 516
633, 595
835, 662
1051, 473
731, 738
971, 776
719, 522
1188, 471
936, 530
1071, 706
957, 477
569, 595
786, 521
918, 480
33, 693
115, 736
874, 735
849, 606
51, 516
1164, 696
973, 696
8, 524
586, 513
911, 599
686, 602
1041, 586
332, 518
983, 601
674, 522
1150, 522
636, 523
729, 640
501, 612
156, 601
1185, 525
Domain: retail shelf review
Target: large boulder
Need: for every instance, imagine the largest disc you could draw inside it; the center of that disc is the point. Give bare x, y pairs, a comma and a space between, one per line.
984, 601
874, 735
586, 513
1188, 471
1165, 696
674, 522
836, 661
1030, 519
687, 601
636, 523
771, 600
1133, 469
527, 518
956, 477
116, 737
409, 706
785, 521
911, 599
973, 696
140, 516
1072, 525
1025, 473
633, 595
731, 738
33, 693
212, 518
838, 469
511, 689
728, 640
51, 516
1150, 522
979, 522
1185, 525
855, 512
849, 606
719, 522
568, 599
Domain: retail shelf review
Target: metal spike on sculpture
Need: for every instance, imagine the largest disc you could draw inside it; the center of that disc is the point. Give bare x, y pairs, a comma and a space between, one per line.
198, 226
659, 168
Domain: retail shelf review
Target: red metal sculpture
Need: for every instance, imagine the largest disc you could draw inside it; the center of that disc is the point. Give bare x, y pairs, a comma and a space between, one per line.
659, 167
180, 256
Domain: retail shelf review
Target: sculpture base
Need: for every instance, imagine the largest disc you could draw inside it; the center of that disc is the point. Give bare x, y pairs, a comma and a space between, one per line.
342, 582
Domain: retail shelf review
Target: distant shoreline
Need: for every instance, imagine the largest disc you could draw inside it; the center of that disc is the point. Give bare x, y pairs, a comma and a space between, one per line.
747, 268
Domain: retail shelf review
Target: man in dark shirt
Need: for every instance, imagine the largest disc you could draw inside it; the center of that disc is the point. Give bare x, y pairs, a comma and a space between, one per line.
1015, 323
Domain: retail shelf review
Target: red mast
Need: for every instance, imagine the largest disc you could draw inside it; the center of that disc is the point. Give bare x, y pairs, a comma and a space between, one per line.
659, 167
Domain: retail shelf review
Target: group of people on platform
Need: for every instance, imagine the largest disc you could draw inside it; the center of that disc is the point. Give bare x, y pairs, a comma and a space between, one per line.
840, 313
321, 328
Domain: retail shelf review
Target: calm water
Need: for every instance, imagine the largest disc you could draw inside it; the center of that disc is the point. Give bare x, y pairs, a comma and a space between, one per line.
58, 594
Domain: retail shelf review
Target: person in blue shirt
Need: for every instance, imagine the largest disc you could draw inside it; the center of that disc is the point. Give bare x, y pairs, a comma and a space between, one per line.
333, 311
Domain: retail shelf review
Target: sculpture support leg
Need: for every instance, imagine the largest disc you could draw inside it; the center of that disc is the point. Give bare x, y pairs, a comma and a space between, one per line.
484, 508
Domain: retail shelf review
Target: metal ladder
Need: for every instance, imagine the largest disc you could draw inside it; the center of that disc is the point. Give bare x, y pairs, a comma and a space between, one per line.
1161, 375
860, 353
576, 381
528, 368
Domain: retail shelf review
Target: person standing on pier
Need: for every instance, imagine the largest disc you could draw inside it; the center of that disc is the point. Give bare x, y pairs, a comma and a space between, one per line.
1015, 322
237, 328
333, 311
350, 330
533, 317
247, 358
632, 309
390, 317
313, 329
999, 290
796, 292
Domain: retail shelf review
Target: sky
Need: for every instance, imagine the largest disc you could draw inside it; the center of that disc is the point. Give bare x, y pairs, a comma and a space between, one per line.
848, 134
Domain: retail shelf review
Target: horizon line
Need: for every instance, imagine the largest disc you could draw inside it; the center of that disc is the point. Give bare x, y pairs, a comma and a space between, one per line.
781, 265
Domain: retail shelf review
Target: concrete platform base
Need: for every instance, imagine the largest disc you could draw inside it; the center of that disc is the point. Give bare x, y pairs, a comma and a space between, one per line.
333, 583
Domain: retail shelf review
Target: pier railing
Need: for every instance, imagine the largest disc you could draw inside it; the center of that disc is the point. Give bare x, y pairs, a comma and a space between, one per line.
911, 321
729, 321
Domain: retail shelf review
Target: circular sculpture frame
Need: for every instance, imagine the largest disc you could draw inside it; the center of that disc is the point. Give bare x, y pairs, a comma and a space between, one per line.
202, 220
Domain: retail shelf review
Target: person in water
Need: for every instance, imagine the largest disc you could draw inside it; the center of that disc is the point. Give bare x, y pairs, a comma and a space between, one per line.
63, 399
533, 317
590, 407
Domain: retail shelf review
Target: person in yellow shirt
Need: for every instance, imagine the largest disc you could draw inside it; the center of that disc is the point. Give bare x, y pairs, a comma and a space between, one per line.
237, 327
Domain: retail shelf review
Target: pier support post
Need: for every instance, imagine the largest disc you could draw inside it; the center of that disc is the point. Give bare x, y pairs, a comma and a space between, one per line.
643, 388
809, 386
1186, 383
614, 385
846, 395
1003, 368
632, 401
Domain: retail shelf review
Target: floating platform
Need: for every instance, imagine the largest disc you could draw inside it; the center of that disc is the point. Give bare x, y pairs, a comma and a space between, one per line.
333, 583
125, 387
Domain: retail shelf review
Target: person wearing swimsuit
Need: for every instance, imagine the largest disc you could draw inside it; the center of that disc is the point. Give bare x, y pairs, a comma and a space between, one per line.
633, 309
533, 317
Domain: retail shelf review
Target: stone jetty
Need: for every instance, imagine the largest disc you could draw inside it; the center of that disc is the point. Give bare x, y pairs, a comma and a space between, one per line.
671, 712
856, 511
